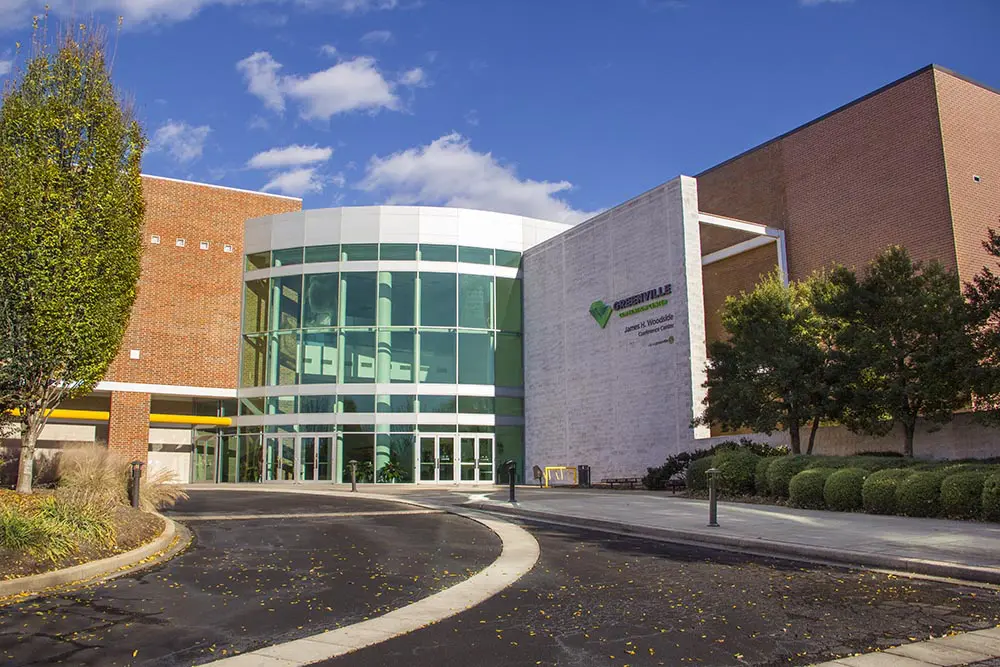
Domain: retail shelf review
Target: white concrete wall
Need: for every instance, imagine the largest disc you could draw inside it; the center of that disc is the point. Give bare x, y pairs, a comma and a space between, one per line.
612, 398
178, 462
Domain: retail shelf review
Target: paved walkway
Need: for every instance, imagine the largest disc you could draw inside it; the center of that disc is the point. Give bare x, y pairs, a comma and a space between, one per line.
962, 549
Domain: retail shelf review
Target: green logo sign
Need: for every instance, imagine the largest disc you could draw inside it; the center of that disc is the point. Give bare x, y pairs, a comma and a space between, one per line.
601, 312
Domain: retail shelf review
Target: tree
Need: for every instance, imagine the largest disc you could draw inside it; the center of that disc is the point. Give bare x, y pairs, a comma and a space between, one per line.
772, 371
71, 208
983, 295
904, 351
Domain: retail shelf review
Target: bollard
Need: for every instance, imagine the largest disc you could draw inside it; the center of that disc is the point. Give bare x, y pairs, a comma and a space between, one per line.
135, 468
713, 509
511, 466
354, 475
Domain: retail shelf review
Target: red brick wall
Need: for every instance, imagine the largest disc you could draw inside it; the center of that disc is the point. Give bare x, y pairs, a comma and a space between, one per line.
848, 185
970, 128
128, 430
185, 322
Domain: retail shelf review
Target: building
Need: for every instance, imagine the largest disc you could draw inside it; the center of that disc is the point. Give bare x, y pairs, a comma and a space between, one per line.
393, 336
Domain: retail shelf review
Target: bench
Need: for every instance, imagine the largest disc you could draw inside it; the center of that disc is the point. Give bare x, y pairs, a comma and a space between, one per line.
675, 483
611, 481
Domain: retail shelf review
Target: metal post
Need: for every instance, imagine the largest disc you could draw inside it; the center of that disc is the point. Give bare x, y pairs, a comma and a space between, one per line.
136, 472
511, 466
713, 509
354, 475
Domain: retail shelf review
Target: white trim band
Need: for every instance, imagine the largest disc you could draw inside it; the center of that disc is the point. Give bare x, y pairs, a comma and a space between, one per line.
168, 389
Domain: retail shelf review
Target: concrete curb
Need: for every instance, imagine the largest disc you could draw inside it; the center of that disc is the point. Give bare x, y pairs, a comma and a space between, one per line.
518, 555
916, 566
117, 565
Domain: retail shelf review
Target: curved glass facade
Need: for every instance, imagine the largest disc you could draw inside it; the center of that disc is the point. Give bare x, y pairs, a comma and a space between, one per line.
403, 357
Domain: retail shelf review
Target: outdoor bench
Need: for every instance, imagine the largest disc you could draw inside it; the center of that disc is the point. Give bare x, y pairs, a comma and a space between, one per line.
611, 481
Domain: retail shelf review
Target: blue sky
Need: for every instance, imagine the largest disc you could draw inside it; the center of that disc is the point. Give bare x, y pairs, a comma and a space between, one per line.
549, 108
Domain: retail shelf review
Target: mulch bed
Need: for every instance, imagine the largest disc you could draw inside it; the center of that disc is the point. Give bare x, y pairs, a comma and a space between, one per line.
134, 528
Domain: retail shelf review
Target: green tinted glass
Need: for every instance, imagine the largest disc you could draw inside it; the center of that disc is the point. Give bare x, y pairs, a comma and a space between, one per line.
286, 257
401, 403
320, 297
254, 354
437, 299
322, 253
475, 358
508, 304
359, 356
475, 301
286, 302
510, 407
395, 458
317, 404
475, 255
437, 404
255, 305
397, 298
358, 447
252, 406
402, 428
437, 357
476, 405
401, 354
398, 251
357, 403
359, 299
258, 260
283, 358
510, 446
319, 357
280, 405
508, 258
357, 252
509, 364
437, 253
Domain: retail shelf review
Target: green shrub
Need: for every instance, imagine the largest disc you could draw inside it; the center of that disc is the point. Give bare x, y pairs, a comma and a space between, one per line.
991, 497
962, 495
806, 488
35, 534
781, 472
842, 491
736, 471
760, 475
697, 479
920, 494
878, 493
874, 463
80, 523
657, 478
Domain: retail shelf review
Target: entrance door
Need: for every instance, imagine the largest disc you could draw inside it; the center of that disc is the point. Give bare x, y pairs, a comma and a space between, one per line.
313, 458
279, 459
437, 458
476, 463
204, 457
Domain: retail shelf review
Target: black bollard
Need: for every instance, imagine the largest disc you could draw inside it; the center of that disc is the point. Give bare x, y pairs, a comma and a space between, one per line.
511, 476
354, 475
713, 505
136, 472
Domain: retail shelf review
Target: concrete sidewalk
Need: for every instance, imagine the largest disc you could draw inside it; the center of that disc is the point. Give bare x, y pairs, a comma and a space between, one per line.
959, 549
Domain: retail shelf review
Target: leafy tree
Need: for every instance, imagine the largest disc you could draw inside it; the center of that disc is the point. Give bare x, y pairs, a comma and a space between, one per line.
983, 295
772, 371
904, 351
70, 214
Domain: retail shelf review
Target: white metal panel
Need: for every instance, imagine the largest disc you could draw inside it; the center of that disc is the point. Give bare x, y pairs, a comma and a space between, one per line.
323, 226
360, 224
257, 234
288, 230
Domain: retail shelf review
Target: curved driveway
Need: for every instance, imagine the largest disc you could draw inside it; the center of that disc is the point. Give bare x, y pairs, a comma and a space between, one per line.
264, 568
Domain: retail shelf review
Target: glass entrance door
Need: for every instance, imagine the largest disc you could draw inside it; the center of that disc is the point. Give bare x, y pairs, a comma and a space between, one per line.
204, 457
437, 458
313, 458
476, 463
279, 459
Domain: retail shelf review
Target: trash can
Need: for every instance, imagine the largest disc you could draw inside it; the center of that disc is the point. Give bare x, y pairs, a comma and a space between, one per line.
583, 476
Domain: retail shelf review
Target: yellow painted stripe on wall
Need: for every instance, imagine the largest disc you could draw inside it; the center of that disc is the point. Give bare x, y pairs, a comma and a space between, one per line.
155, 418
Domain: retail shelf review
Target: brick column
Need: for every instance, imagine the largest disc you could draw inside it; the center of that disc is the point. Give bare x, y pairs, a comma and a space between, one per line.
128, 430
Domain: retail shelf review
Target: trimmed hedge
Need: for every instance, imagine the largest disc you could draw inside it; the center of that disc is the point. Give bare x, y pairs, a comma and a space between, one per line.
842, 491
781, 472
878, 494
962, 495
991, 497
760, 475
697, 479
806, 488
736, 471
920, 494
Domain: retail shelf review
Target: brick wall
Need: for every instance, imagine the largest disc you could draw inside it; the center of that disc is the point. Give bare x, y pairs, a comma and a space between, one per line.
847, 185
185, 322
128, 430
731, 276
970, 129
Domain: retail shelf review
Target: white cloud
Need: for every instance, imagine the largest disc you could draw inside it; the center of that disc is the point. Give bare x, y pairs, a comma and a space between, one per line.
351, 85
263, 79
258, 123
290, 156
449, 172
328, 50
376, 37
295, 182
181, 141
6, 66
136, 12
413, 77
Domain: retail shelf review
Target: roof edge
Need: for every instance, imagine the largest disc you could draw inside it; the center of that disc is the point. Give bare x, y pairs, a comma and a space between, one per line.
911, 75
220, 187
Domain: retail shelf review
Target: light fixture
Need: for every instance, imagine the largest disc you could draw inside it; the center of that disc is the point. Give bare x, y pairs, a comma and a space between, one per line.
180, 243
155, 239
